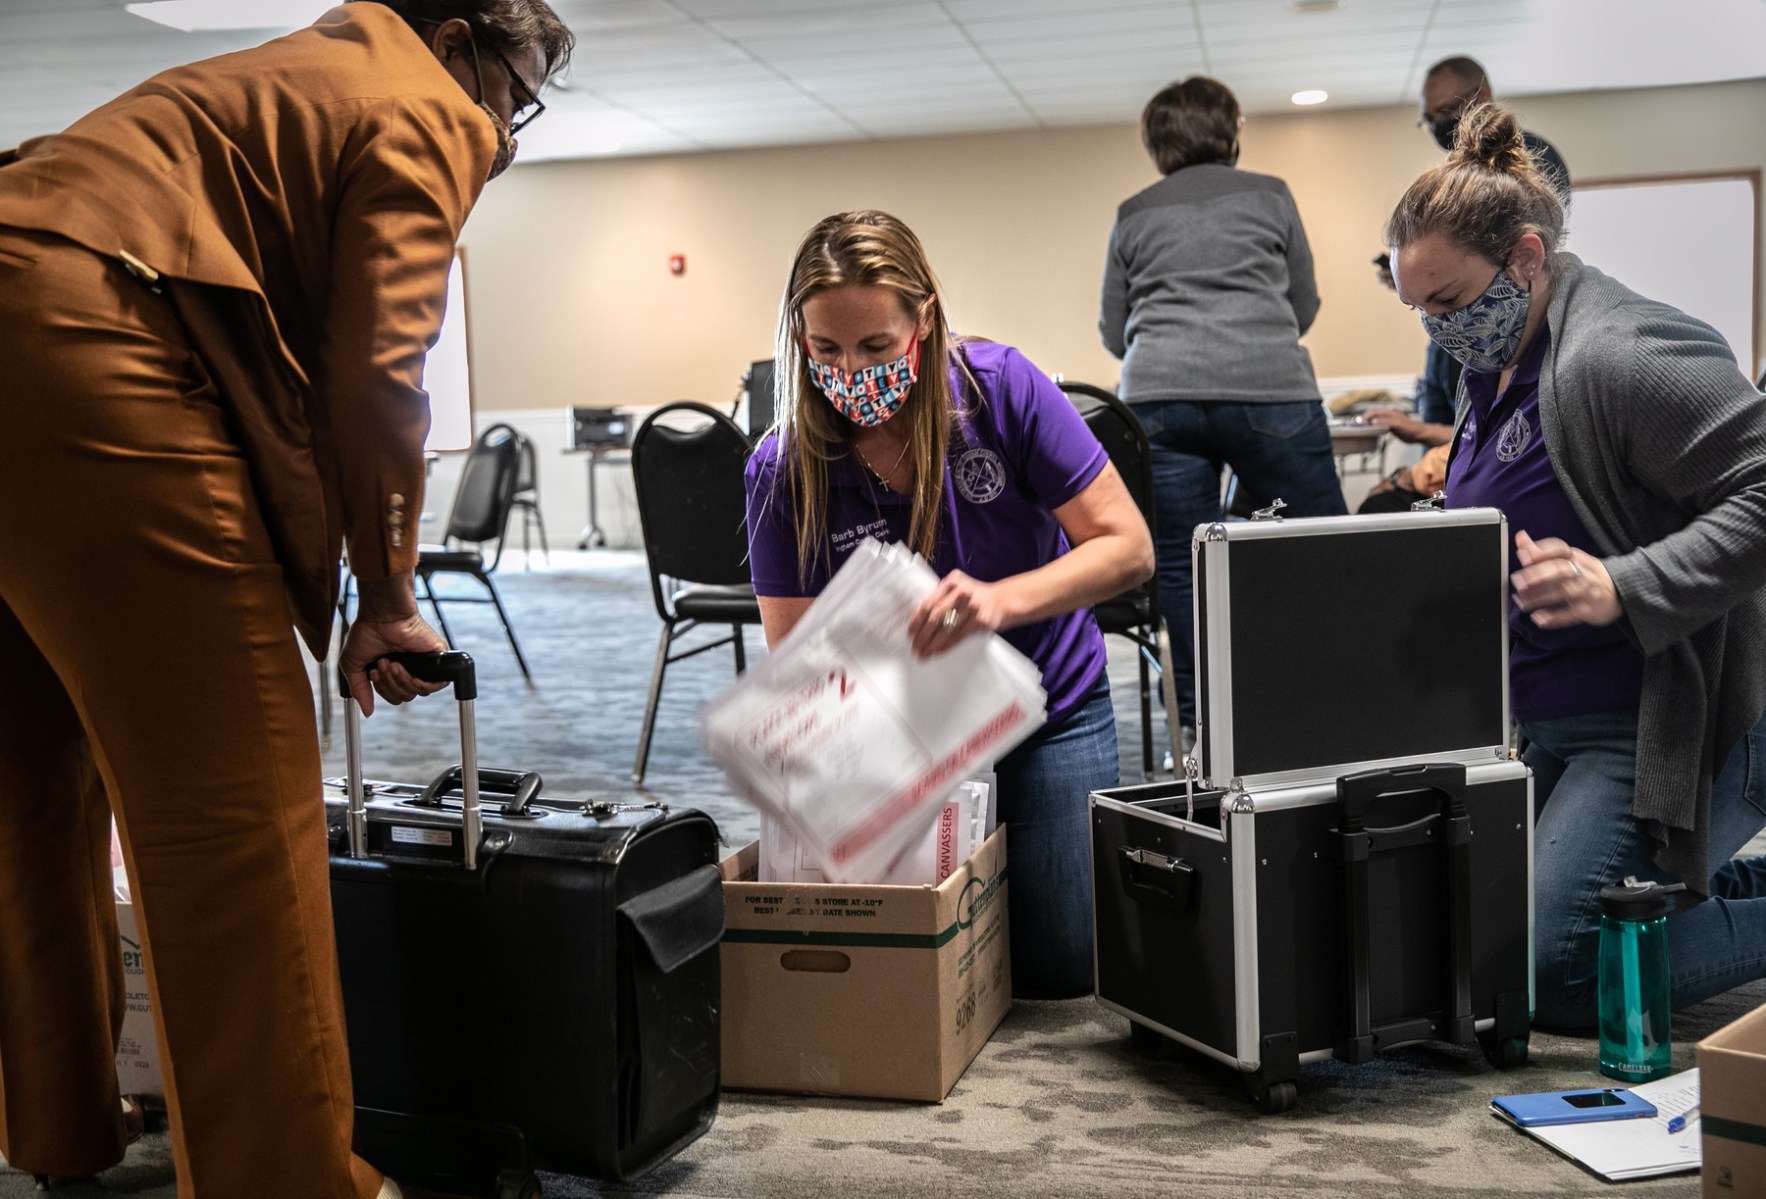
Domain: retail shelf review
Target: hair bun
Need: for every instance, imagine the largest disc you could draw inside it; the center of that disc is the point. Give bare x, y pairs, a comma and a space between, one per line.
1490, 137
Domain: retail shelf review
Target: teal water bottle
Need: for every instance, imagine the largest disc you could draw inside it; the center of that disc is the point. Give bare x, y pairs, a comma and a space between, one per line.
1633, 981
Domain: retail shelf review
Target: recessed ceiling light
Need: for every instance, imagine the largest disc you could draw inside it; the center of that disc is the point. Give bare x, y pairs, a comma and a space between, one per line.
201, 16
1312, 6
1310, 96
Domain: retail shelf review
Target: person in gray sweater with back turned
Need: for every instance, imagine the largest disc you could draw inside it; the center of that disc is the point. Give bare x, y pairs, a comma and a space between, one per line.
1207, 290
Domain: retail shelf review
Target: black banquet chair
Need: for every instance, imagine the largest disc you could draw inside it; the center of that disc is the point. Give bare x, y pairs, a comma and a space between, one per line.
1135, 613
527, 498
688, 483
482, 504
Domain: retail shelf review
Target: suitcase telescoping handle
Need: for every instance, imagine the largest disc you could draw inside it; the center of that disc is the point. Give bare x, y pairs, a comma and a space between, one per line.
453, 667
1356, 793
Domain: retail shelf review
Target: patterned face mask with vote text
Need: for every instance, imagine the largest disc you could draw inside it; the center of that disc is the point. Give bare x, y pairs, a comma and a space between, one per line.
870, 396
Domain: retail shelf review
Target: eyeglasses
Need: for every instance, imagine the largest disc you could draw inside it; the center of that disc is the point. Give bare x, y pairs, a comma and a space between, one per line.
530, 108
1453, 111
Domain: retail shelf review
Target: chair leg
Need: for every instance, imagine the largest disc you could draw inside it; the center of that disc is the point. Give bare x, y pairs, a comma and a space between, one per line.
545, 554
656, 674
741, 652
526, 548
1146, 714
1168, 684
441, 621
508, 629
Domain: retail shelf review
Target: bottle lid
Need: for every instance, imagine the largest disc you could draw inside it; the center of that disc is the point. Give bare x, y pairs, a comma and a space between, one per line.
1633, 900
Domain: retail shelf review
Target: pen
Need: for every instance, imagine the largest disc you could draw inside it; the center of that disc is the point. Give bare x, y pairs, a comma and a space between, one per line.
1678, 1123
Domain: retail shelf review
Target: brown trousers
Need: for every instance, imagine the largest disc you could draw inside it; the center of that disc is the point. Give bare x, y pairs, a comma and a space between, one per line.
148, 670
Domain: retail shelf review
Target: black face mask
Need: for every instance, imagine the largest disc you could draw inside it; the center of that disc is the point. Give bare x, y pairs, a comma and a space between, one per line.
1444, 131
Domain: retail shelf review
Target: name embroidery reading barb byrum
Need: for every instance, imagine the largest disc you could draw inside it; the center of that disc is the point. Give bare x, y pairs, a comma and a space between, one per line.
845, 539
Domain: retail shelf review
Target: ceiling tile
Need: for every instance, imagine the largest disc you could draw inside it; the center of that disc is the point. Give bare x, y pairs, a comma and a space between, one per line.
676, 75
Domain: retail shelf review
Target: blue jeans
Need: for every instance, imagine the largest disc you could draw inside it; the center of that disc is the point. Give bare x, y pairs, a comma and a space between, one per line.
1278, 451
1585, 770
1043, 785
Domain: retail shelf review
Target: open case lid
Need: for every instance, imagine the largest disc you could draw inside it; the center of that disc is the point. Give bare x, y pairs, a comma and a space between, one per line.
1330, 645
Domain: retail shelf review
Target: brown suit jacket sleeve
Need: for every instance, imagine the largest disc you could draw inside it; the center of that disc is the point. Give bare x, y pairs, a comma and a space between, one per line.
406, 192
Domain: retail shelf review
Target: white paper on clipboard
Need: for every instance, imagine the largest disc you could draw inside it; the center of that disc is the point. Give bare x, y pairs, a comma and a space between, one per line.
851, 741
1619, 1150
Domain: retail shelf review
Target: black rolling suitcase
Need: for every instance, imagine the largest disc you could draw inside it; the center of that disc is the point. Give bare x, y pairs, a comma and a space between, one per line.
528, 985
1352, 869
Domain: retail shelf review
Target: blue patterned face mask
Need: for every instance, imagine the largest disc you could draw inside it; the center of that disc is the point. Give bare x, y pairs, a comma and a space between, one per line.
1485, 333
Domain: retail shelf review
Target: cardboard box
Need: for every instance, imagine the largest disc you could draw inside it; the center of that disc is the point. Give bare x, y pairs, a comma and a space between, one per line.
1732, 1108
138, 1071
874, 991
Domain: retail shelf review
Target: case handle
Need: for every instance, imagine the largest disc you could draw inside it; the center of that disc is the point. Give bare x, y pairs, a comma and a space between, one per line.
520, 786
453, 666
443, 666
1356, 793
1150, 876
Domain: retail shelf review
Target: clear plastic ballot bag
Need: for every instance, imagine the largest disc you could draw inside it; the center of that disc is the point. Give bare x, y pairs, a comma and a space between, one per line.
851, 742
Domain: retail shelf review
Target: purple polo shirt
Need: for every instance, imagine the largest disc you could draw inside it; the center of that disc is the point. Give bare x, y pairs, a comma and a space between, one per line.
1501, 462
1016, 455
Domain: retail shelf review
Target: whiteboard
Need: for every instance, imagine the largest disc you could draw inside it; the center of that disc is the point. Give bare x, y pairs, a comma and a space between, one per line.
1638, 234
447, 372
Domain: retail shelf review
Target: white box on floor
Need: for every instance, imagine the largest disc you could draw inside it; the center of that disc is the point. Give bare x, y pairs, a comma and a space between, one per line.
138, 1068
852, 989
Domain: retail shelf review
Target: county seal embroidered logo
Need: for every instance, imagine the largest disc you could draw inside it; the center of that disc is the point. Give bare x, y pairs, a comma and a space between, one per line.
980, 476
1512, 441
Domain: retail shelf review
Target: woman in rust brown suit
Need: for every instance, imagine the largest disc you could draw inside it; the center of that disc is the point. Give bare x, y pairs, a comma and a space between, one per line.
216, 293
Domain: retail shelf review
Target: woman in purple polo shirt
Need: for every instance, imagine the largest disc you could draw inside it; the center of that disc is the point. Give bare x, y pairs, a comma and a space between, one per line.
962, 450
1629, 454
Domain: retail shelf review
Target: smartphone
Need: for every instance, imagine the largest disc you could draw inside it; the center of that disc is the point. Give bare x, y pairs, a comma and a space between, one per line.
1571, 1107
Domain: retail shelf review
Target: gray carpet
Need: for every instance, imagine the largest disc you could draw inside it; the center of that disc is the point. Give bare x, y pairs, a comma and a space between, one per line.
1057, 1103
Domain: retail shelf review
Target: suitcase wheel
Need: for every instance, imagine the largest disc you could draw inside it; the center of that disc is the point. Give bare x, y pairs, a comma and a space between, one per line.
1276, 1098
1505, 1053
517, 1184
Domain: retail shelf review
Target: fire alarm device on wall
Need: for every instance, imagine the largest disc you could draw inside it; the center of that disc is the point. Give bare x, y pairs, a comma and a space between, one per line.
677, 264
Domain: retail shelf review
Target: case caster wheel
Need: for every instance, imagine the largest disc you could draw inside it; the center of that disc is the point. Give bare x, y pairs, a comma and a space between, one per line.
517, 1184
1276, 1098
1505, 1053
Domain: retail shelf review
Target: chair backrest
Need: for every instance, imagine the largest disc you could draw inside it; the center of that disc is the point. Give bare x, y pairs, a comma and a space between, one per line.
1115, 425
691, 501
527, 473
487, 487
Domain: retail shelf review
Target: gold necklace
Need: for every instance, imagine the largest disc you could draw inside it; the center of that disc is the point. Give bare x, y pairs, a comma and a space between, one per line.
883, 476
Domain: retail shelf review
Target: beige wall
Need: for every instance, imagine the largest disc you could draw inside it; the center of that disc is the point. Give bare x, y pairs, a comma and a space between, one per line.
572, 302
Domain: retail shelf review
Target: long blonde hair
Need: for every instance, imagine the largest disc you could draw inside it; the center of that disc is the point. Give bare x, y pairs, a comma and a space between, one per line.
862, 249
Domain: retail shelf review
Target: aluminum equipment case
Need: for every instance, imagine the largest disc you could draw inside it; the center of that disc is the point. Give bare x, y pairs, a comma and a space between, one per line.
1351, 869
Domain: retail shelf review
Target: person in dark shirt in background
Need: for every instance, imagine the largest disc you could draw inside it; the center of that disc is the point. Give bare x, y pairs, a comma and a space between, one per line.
1457, 84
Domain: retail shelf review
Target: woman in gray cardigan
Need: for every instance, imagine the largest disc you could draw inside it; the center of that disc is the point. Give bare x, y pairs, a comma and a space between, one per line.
1629, 454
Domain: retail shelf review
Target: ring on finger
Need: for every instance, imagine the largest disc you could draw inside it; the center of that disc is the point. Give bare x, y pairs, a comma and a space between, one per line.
1574, 569
951, 620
